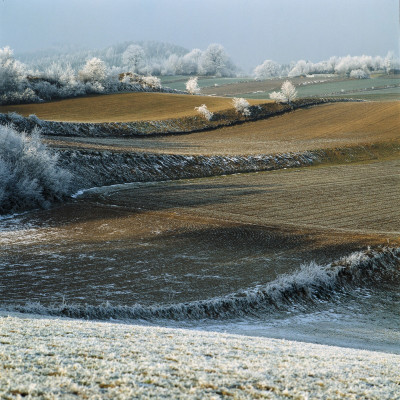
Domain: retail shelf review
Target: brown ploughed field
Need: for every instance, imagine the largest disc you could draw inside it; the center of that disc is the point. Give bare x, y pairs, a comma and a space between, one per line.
321, 127
126, 107
334, 206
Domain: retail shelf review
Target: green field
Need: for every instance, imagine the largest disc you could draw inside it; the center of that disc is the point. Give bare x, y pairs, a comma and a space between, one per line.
351, 85
379, 88
179, 82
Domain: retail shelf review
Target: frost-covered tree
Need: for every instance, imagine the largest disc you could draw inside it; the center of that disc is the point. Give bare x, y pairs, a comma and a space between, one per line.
12, 72
347, 64
192, 86
14, 87
94, 71
289, 91
205, 112
191, 62
287, 94
61, 73
277, 96
133, 57
359, 74
173, 66
242, 106
302, 67
29, 173
214, 60
152, 81
268, 69
389, 62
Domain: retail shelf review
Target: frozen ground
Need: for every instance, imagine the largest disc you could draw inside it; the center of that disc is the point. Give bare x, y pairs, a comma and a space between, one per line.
42, 357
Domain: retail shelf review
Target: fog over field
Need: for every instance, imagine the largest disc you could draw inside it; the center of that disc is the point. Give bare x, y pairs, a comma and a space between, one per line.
282, 31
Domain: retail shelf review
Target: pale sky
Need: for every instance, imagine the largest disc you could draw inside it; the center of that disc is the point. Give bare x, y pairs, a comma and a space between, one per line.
250, 30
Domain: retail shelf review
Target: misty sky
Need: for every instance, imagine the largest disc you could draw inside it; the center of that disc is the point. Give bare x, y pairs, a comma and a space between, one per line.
250, 30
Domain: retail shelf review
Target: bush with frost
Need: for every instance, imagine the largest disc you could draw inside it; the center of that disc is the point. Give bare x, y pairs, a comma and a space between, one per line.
205, 112
12, 72
242, 106
286, 95
14, 87
152, 82
192, 86
359, 74
30, 176
277, 96
268, 69
93, 71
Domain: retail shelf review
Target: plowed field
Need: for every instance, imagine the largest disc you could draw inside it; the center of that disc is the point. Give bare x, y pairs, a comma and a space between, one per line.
325, 126
126, 107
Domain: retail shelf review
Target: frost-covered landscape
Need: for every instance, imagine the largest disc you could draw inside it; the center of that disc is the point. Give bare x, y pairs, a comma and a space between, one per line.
196, 202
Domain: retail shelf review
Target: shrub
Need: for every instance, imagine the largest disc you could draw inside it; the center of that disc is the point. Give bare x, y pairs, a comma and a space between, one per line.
205, 112
286, 95
152, 82
359, 74
192, 86
242, 106
94, 71
277, 96
29, 174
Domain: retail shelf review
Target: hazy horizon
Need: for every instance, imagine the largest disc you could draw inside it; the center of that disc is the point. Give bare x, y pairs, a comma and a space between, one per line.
251, 32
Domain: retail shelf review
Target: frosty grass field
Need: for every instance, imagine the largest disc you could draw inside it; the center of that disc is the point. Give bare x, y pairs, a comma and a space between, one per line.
252, 265
60, 358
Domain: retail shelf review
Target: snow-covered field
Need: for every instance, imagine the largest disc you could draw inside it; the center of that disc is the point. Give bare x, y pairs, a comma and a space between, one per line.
43, 357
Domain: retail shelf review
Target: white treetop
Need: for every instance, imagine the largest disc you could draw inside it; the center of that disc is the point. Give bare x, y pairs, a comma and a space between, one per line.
93, 71
242, 106
133, 56
268, 69
205, 112
214, 60
289, 91
359, 74
192, 86
11, 71
286, 95
152, 81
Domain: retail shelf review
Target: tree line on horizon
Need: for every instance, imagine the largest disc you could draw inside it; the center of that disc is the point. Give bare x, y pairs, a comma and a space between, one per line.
131, 66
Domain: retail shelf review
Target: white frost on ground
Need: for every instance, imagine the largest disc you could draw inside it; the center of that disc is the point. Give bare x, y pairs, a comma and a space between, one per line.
43, 357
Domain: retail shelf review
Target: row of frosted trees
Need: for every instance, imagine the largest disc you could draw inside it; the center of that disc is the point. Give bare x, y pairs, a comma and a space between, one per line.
212, 61
145, 58
49, 79
20, 83
353, 66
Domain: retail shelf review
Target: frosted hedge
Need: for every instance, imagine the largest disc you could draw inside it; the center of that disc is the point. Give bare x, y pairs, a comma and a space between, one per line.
29, 173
